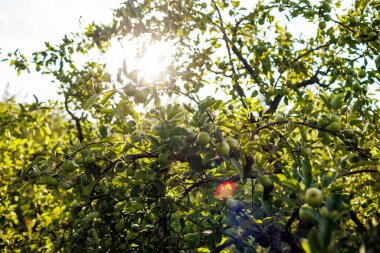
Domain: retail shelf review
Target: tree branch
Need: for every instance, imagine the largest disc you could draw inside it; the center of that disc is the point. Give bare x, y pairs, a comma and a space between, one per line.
75, 118
351, 144
276, 101
356, 220
359, 171
292, 218
236, 86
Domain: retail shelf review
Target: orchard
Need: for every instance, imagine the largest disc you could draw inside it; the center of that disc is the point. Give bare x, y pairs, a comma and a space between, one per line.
255, 138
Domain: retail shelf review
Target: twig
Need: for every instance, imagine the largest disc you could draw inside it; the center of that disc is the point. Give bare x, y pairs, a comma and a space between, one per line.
358, 171
75, 118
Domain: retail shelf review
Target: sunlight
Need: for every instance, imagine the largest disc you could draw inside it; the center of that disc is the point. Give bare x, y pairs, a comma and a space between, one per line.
153, 61
225, 190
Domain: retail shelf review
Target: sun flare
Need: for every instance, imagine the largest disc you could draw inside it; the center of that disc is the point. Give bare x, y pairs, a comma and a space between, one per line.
152, 61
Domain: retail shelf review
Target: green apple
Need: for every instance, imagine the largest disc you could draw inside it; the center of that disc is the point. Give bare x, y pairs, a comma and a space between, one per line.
335, 118
119, 226
234, 205
266, 181
306, 152
129, 90
90, 158
353, 20
203, 138
314, 197
279, 117
223, 148
120, 166
334, 127
234, 144
306, 213
311, 121
322, 25
336, 102
348, 133
141, 96
124, 108
362, 73
372, 35
51, 181
135, 227
322, 121
377, 60
69, 166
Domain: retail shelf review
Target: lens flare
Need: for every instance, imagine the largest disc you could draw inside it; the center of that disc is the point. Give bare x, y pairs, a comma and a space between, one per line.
225, 190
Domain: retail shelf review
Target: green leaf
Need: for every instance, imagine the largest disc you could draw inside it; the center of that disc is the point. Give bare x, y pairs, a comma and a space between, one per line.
195, 163
306, 173
179, 131
238, 166
103, 131
108, 95
313, 240
90, 101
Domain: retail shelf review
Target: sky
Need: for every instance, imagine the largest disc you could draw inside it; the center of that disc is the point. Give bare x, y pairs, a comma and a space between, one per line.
27, 24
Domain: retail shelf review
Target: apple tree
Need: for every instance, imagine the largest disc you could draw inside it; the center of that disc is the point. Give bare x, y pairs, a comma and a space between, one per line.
270, 142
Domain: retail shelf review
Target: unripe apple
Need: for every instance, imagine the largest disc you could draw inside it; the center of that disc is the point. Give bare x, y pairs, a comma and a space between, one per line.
129, 90
119, 226
312, 121
327, 17
377, 60
306, 152
336, 102
234, 144
90, 158
372, 35
279, 117
141, 96
353, 20
362, 73
75, 209
203, 138
335, 118
69, 166
348, 133
223, 148
120, 167
124, 108
314, 197
322, 25
305, 213
135, 227
324, 212
334, 127
322, 121
136, 137
51, 181
267, 181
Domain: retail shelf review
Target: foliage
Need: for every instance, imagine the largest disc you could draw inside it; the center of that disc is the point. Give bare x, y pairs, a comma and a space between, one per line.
121, 170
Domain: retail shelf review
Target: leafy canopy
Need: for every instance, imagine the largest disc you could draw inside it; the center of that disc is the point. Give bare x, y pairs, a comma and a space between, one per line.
117, 168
